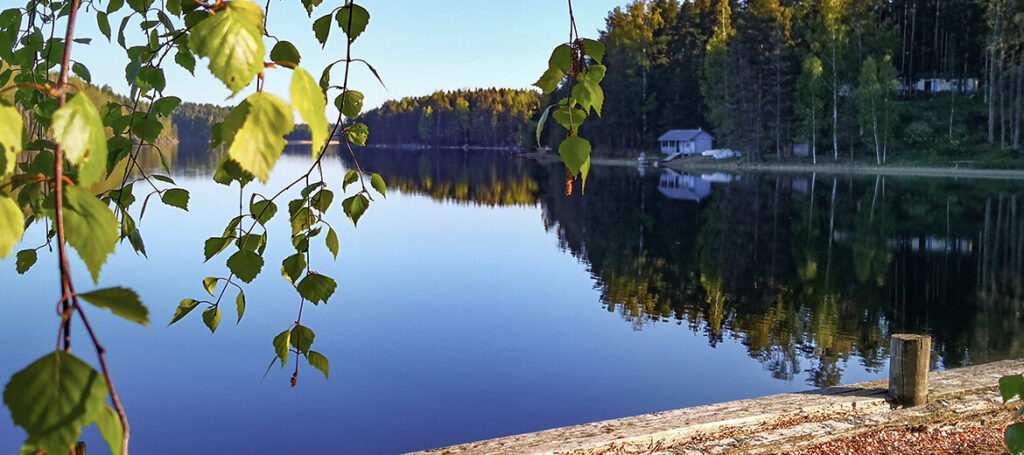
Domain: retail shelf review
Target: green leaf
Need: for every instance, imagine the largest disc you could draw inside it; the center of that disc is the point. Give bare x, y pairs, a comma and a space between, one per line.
245, 265
110, 427
377, 182
281, 342
185, 307
164, 106
309, 100
259, 125
318, 361
176, 197
350, 103
210, 284
293, 266
233, 41
322, 28
12, 226
122, 302
302, 220
561, 59
317, 288
1015, 437
90, 227
549, 81
146, 127
350, 178
310, 4
229, 230
249, 242
302, 338
53, 398
151, 78
321, 201
186, 60
211, 317
284, 53
596, 73
1011, 386
82, 72
78, 127
541, 122
103, 23
331, 241
263, 211
353, 20
589, 96
240, 305
355, 207
596, 95
27, 258
562, 117
214, 245
301, 243
229, 171
594, 49
357, 134
309, 188
575, 152
11, 137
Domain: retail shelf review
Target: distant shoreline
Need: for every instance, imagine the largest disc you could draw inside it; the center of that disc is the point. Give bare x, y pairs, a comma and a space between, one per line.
738, 166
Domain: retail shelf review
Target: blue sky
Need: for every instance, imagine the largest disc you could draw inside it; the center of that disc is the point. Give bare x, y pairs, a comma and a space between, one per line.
417, 47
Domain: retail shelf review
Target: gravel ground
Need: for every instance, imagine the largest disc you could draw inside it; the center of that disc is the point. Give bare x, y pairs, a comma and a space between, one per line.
975, 433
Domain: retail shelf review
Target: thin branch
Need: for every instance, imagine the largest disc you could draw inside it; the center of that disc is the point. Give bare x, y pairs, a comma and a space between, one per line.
67, 287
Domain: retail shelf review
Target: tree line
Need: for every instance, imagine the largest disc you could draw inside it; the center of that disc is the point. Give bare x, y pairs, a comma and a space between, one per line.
849, 78
462, 118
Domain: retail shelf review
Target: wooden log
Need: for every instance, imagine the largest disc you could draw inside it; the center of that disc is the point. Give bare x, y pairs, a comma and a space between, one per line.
78, 449
909, 360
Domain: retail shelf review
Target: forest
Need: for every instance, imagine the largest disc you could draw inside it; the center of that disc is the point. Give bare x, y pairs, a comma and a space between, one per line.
852, 79
492, 118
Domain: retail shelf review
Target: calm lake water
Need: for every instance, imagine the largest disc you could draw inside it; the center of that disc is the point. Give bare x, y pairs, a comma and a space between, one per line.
479, 301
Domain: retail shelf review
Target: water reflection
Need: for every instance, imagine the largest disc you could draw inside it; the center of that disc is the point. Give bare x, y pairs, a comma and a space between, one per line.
473, 177
808, 272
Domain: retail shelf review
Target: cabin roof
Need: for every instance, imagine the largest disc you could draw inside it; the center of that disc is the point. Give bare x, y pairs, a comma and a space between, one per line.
683, 135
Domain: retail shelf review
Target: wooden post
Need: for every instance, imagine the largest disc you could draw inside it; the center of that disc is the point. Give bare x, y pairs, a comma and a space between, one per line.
78, 449
909, 359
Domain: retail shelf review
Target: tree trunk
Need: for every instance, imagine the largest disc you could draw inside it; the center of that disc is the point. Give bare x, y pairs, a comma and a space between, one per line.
990, 91
874, 129
913, 39
814, 132
835, 104
1015, 105
778, 105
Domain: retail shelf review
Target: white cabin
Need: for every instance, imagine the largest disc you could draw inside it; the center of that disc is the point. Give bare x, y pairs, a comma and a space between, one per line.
686, 142
940, 84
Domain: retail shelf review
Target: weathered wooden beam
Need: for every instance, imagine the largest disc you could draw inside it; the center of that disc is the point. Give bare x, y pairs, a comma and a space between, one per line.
909, 360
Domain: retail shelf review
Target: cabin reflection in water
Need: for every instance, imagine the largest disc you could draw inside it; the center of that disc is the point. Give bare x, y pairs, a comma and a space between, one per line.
686, 187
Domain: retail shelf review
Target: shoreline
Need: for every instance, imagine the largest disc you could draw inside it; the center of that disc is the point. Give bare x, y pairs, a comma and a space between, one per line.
737, 166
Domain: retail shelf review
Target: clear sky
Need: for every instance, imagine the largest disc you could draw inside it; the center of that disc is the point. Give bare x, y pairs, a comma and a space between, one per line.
417, 47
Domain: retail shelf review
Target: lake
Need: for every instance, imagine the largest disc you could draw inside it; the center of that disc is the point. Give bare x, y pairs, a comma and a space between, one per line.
479, 301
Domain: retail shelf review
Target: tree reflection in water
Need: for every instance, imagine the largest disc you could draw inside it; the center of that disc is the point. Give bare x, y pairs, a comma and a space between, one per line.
807, 271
